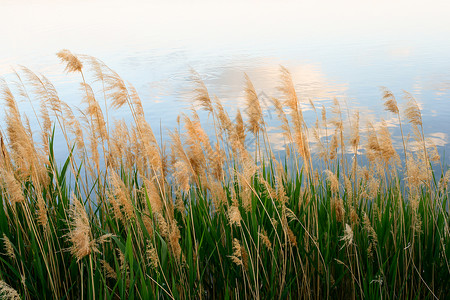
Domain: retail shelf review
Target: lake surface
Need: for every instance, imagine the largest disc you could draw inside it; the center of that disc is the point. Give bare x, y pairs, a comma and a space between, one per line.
343, 49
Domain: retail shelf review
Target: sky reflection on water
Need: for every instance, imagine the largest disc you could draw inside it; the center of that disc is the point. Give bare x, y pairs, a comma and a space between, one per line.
344, 49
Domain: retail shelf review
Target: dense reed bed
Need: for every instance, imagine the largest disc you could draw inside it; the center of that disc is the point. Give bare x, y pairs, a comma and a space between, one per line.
339, 213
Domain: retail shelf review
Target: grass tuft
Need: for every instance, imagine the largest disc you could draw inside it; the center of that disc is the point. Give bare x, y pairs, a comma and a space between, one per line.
335, 214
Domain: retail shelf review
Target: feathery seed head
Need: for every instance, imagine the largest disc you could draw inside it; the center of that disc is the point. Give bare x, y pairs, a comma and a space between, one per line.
80, 233
73, 64
412, 111
201, 92
348, 236
389, 101
13, 186
152, 256
292, 239
354, 217
9, 249
369, 229
41, 211
338, 206
234, 215
7, 292
265, 239
333, 180
288, 90
239, 256
174, 240
109, 271
254, 110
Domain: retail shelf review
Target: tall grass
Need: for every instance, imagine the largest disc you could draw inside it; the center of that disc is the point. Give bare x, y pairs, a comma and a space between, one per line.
336, 214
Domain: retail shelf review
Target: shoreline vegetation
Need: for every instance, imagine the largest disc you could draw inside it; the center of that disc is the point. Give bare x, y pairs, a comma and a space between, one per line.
342, 215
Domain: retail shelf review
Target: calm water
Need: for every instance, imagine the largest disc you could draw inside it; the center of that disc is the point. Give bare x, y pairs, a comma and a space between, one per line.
346, 50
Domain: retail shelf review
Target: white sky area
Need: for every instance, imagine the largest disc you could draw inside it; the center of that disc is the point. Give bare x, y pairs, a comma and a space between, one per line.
31, 27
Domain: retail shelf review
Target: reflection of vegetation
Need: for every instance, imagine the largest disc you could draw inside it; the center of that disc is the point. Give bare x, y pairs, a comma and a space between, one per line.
209, 219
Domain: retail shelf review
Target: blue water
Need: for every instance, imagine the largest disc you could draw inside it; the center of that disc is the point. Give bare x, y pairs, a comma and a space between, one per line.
345, 50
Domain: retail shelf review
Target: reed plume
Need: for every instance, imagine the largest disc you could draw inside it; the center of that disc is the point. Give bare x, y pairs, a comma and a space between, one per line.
300, 129
238, 256
355, 135
73, 64
288, 90
181, 175
371, 234
73, 126
44, 90
120, 192
152, 256
46, 127
201, 93
389, 101
254, 110
114, 86
224, 120
234, 215
373, 148
285, 127
194, 139
94, 111
109, 271
22, 146
387, 149
348, 236
265, 239
7, 292
153, 196
333, 181
80, 236
13, 186
238, 135
174, 240
338, 207
392, 106
42, 211
412, 111
9, 249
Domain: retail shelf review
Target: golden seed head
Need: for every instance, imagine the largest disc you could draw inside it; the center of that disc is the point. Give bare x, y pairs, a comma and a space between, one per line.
389, 101
265, 239
348, 236
338, 206
201, 93
7, 292
109, 271
234, 215
238, 253
9, 249
254, 110
73, 64
333, 181
80, 233
412, 111
152, 256
13, 186
291, 237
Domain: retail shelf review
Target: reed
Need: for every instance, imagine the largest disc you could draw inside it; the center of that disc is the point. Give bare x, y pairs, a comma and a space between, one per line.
336, 214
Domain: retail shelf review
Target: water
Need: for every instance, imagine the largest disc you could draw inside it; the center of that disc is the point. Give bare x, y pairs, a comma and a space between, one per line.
344, 49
